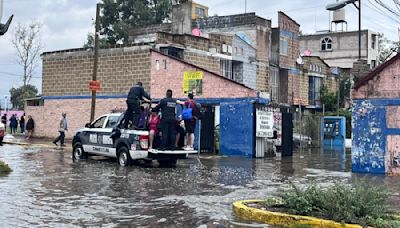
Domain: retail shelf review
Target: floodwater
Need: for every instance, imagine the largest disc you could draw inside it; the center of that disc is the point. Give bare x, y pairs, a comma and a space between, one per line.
48, 189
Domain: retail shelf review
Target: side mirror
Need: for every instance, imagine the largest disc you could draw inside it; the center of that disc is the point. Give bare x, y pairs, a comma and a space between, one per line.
88, 125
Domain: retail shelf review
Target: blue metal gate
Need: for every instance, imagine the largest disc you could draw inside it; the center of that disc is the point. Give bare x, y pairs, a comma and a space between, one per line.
237, 133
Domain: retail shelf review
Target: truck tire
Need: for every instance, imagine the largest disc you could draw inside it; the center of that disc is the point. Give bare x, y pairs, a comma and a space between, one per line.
124, 158
78, 152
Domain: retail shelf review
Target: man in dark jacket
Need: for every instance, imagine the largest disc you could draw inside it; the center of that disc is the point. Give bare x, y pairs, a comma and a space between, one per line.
168, 121
135, 96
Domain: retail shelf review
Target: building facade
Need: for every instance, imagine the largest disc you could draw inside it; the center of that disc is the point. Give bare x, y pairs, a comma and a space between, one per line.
376, 120
66, 75
225, 34
340, 49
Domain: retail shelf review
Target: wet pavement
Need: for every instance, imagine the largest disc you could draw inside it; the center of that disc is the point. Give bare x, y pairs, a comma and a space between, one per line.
48, 189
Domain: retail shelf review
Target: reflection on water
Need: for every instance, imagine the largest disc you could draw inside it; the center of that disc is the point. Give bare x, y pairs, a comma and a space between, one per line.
48, 189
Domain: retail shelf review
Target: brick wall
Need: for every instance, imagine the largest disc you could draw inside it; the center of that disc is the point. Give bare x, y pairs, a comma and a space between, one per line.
214, 86
384, 85
256, 29
263, 76
47, 117
202, 60
289, 30
69, 72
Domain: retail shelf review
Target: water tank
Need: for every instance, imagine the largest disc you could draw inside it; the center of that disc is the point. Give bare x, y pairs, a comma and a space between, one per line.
339, 16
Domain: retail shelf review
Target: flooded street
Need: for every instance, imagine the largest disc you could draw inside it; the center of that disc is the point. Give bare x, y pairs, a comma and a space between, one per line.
47, 188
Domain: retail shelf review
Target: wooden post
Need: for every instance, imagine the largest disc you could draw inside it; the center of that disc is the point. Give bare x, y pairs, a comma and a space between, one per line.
96, 55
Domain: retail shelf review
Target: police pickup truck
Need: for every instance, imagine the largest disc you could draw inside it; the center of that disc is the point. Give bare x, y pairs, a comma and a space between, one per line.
129, 146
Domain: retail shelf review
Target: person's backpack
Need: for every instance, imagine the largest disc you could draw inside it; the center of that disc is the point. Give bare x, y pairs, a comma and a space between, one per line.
187, 113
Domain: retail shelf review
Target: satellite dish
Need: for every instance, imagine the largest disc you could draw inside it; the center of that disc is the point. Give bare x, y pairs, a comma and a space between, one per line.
196, 32
307, 53
299, 60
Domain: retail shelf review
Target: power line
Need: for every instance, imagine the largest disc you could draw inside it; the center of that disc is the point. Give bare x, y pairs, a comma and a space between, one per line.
380, 11
15, 75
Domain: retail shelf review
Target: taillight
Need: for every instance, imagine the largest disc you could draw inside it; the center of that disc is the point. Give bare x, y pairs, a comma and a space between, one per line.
144, 142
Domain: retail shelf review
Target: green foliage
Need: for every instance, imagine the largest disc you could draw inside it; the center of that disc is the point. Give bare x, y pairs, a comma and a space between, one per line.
346, 113
362, 204
19, 94
4, 169
120, 15
90, 41
386, 48
328, 99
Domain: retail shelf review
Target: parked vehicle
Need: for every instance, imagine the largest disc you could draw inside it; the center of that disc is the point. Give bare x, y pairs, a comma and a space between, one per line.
2, 133
131, 145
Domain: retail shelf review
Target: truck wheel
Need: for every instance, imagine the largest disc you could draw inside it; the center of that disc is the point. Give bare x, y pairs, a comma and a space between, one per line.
167, 162
124, 158
78, 152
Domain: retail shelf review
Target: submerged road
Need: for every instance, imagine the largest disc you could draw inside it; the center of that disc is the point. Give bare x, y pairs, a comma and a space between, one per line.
47, 188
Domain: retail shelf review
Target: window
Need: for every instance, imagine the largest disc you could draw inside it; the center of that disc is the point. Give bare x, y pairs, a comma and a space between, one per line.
172, 51
274, 84
157, 64
226, 68
112, 120
200, 12
99, 122
314, 93
373, 64
326, 44
373, 41
165, 64
283, 47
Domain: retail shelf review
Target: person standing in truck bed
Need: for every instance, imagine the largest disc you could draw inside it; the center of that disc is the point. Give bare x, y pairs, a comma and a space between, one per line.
135, 96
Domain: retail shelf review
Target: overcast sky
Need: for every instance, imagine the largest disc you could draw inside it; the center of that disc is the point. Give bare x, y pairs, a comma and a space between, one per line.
65, 24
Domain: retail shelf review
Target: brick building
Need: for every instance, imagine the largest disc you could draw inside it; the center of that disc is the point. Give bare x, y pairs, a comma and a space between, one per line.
246, 32
65, 89
376, 120
314, 73
285, 51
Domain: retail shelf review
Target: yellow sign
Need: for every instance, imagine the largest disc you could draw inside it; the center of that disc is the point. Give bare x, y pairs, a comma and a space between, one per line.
193, 82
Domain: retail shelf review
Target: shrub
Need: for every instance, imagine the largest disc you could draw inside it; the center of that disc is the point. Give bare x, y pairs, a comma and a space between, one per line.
362, 204
4, 169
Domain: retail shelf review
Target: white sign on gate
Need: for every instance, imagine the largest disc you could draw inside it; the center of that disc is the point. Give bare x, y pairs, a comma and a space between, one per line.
264, 124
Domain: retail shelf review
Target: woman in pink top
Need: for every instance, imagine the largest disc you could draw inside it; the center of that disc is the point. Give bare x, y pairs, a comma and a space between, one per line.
153, 122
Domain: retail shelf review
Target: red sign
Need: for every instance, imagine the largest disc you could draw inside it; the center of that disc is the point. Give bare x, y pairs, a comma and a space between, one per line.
94, 85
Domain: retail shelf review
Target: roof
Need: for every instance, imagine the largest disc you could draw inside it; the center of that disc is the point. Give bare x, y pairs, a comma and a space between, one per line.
90, 48
280, 12
332, 33
376, 71
201, 68
315, 56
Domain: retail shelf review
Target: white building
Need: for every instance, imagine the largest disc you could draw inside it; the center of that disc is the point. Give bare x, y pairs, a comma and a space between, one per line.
340, 49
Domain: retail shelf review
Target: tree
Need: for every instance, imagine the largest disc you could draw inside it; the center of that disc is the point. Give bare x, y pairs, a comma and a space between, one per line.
386, 48
26, 40
90, 41
19, 94
328, 99
120, 15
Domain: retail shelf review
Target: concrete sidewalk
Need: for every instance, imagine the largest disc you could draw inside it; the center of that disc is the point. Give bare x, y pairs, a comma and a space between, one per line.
21, 141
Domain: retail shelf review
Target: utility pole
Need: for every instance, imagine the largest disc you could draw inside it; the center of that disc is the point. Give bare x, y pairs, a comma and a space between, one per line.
96, 56
245, 6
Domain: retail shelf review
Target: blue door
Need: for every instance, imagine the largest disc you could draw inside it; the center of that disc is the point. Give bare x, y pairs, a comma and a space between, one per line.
237, 133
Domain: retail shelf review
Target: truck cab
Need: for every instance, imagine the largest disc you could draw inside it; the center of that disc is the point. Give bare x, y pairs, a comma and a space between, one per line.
99, 138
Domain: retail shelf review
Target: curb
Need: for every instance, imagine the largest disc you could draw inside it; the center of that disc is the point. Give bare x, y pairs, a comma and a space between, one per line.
282, 219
